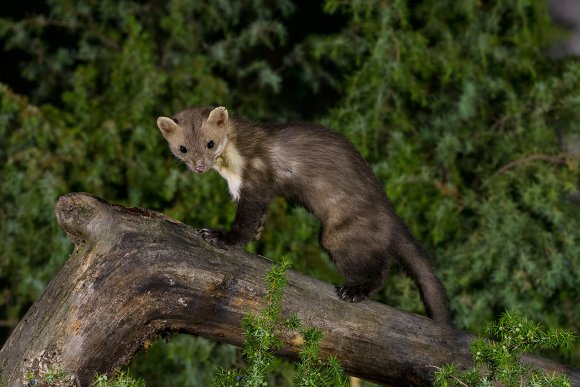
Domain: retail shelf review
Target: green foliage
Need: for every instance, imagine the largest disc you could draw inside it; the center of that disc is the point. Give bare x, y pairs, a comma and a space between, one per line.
184, 360
497, 359
120, 379
260, 330
262, 338
32, 244
313, 371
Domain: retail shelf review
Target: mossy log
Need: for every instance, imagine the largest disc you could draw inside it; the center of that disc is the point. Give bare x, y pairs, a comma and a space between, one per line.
135, 274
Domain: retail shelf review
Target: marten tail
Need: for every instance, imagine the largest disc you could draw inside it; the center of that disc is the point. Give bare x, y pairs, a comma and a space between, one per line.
415, 261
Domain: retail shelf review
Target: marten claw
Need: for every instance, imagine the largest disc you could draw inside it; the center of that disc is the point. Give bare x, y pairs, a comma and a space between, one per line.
352, 292
214, 237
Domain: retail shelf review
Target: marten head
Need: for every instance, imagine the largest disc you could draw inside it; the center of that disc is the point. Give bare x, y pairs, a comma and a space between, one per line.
197, 135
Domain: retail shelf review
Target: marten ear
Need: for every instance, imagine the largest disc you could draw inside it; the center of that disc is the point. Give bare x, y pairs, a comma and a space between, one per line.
218, 117
167, 126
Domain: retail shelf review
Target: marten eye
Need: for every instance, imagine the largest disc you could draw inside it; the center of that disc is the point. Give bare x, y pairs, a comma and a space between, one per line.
183, 149
210, 144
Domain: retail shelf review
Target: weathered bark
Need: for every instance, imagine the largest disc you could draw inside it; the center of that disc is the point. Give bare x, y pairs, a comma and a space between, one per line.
136, 273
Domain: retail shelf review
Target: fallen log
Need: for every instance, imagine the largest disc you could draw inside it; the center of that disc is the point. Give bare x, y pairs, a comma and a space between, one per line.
136, 273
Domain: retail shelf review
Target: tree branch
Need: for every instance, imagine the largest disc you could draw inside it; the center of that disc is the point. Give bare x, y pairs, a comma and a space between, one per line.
136, 273
559, 159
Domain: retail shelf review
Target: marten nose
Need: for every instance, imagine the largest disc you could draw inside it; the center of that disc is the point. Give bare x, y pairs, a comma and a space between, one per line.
199, 168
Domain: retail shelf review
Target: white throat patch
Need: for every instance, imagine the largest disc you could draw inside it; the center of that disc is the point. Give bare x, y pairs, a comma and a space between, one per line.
230, 165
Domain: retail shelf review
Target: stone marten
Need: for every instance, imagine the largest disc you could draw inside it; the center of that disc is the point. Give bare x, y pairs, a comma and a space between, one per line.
318, 168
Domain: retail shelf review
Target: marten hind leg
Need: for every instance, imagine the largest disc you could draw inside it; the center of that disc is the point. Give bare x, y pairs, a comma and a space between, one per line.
364, 272
359, 256
357, 291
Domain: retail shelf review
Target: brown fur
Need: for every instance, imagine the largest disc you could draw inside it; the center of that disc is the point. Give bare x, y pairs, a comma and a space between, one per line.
322, 170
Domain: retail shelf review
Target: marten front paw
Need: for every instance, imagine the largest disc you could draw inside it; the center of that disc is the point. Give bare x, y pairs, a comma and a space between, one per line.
352, 292
217, 238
